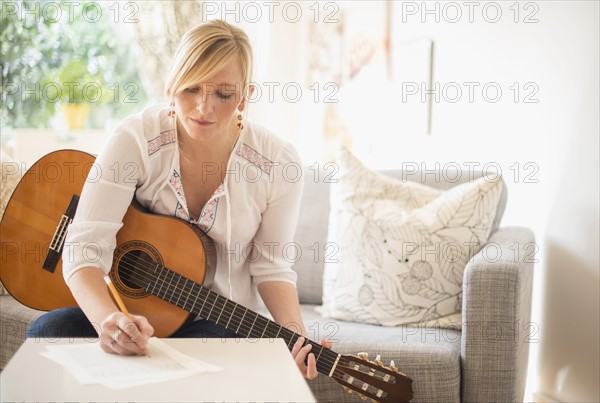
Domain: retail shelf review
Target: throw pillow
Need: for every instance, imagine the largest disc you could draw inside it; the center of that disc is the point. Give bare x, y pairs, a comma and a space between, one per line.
403, 246
10, 175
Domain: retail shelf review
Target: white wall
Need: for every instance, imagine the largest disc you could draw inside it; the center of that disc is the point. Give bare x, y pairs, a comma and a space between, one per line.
560, 136
556, 194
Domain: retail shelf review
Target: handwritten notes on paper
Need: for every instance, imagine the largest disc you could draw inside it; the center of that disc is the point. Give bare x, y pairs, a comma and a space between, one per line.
89, 364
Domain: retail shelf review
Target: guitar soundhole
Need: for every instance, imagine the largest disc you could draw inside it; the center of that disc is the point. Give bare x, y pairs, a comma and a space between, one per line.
133, 268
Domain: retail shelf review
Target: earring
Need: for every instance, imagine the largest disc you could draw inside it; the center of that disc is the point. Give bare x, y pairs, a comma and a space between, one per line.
172, 109
239, 124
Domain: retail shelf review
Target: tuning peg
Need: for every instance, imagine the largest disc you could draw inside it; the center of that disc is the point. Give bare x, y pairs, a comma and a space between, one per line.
363, 355
378, 361
348, 389
393, 367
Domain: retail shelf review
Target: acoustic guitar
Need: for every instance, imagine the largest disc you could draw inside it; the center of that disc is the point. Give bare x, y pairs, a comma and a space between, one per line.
152, 277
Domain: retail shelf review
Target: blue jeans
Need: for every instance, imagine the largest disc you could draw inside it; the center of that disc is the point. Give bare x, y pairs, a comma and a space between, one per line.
72, 323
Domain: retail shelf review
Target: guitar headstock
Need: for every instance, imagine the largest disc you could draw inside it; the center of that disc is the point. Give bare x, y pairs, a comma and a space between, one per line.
372, 380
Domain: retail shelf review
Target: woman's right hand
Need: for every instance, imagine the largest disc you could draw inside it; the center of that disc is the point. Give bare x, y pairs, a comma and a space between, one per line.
125, 335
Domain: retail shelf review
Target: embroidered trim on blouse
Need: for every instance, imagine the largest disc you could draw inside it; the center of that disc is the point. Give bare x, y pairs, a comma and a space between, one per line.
181, 212
166, 137
175, 181
253, 156
209, 211
208, 215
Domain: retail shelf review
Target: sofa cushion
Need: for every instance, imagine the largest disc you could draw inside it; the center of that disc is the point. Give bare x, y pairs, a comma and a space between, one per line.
311, 233
403, 245
430, 357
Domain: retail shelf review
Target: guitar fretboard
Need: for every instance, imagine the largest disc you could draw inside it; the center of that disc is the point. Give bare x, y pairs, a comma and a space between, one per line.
207, 304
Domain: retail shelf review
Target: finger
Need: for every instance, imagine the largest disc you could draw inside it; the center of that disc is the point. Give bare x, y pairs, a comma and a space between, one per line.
297, 346
311, 371
118, 348
108, 332
301, 357
145, 331
128, 336
105, 345
110, 344
107, 327
128, 326
112, 335
145, 327
116, 335
120, 342
326, 343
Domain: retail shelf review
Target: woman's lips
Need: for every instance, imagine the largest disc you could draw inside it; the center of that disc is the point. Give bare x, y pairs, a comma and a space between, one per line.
201, 122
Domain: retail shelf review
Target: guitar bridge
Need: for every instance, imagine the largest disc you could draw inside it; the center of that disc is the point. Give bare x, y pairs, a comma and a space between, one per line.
58, 239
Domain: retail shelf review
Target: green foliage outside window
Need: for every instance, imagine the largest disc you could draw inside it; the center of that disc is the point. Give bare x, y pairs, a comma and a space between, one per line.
49, 60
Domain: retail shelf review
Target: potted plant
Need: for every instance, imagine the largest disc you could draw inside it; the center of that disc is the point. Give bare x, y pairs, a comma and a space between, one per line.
79, 88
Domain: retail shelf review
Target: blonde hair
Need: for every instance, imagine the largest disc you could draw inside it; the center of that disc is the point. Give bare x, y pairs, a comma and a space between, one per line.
205, 50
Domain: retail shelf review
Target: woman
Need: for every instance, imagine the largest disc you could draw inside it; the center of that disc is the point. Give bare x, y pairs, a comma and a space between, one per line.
190, 159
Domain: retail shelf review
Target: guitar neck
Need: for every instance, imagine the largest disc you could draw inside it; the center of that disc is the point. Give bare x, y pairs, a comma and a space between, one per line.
200, 301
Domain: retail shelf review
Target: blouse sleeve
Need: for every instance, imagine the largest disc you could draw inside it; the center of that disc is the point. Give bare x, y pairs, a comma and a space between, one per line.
106, 195
274, 239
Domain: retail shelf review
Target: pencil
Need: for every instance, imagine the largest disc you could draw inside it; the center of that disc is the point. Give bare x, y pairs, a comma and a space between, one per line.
119, 301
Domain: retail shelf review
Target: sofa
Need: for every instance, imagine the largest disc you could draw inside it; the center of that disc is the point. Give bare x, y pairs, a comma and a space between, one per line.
484, 359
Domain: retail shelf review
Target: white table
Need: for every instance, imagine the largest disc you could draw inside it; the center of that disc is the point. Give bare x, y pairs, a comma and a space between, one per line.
254, 370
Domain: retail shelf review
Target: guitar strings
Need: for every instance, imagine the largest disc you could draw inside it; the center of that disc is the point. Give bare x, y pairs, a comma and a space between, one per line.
338, 373
140, 275
216, 296
214, 305
146, 277
243, 327
130, 265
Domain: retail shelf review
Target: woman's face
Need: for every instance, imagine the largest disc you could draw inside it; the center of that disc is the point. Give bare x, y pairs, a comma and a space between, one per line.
207, 111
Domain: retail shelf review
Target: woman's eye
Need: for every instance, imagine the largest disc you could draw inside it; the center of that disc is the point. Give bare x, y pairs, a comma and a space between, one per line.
193, 90
224, 96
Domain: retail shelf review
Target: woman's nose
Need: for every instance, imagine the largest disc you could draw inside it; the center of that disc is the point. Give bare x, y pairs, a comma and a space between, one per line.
205, 103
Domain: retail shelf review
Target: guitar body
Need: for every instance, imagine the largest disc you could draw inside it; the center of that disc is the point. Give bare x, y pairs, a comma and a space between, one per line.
164, 240
30, 223
158, 269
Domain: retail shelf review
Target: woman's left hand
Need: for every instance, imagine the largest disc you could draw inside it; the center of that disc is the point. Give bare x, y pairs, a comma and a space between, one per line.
299, 353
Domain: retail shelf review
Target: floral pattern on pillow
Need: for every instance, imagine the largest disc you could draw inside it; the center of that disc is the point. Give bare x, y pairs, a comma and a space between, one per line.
403, 246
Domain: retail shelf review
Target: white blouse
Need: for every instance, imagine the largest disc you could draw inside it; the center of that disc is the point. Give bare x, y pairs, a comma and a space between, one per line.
249, 222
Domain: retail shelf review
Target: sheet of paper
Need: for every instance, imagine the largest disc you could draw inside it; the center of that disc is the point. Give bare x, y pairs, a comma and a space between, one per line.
89, 364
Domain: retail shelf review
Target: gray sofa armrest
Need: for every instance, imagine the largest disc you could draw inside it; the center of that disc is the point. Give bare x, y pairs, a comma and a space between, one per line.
497, 287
